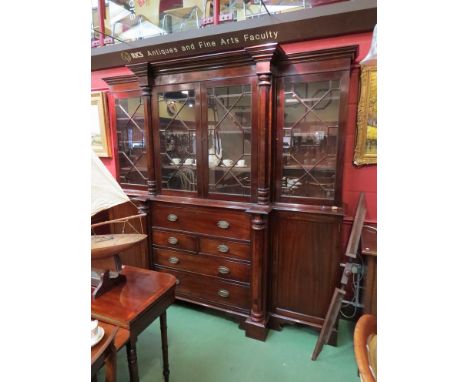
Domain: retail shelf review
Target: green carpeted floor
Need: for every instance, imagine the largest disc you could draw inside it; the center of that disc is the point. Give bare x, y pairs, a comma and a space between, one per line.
206, 347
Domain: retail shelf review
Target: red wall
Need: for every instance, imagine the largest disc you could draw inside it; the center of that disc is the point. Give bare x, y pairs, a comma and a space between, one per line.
355, 180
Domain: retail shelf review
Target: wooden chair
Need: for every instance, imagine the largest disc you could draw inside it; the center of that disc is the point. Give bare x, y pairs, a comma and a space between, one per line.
365, 328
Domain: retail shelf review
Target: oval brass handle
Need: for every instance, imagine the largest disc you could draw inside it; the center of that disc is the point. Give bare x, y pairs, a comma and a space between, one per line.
223, 270
172, 217
223, 224
173, 260
223, 248
172, 240
177, 281
223, 293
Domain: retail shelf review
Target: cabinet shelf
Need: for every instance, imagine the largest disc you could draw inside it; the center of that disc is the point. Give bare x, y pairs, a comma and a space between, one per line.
233, 131
175, 166
225, 168
217, 168
320, 167
134, 118
180, 132
126, 170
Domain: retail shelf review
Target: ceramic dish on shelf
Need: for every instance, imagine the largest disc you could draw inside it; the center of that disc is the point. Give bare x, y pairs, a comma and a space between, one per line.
98, 337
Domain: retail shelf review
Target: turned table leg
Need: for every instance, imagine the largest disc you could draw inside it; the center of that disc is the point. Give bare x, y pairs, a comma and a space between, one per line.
132, 360
163, 325
111, 365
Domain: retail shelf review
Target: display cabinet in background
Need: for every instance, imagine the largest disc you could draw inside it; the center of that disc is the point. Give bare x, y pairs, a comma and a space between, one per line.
238, 161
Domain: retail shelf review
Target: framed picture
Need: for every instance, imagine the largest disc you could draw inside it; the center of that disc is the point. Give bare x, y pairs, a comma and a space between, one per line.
100, 134
365, 151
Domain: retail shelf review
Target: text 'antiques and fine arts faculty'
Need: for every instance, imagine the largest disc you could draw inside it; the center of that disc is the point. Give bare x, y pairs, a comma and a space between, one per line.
221, 42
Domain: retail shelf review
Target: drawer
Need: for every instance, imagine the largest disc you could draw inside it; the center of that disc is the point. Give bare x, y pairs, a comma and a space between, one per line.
225, 248
207, 288
207, 265
209, 221
175, 240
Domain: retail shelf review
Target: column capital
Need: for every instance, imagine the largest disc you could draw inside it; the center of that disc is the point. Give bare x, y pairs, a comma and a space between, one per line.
266, 52
144, 74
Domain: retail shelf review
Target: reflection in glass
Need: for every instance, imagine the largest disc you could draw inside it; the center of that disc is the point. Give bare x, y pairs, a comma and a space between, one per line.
311, 116
229, 139
131, 140
177, 131
130, 20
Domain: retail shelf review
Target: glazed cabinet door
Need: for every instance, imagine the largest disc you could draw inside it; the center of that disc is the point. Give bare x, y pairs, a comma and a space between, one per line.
129, 120
310, 121
229, 130
178, 143
305, 265
205, 139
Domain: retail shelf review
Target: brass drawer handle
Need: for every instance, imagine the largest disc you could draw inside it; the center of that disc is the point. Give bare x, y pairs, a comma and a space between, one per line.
172, 217
223, 293
173, 260
177, 281
172, 240
223, 248
223, 224
223, 270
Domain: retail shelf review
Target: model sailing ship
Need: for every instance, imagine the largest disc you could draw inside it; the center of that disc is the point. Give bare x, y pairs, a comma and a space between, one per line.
107, 193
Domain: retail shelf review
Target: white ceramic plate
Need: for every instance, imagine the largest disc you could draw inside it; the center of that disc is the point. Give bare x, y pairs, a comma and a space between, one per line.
97, 337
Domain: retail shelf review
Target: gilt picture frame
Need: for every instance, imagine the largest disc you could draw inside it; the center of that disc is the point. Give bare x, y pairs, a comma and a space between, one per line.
365, 151
100, 130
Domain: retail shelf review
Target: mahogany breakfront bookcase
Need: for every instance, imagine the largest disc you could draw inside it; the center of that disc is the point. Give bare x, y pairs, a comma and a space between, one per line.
237, 159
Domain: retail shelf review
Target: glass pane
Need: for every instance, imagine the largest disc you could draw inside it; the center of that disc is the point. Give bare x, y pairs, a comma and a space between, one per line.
130, 20
229, 139
177, 132
311, 116
131, 140
240, 10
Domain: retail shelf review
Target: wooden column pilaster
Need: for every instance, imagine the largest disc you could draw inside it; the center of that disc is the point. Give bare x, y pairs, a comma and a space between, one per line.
145, 82
256, 325
264, 57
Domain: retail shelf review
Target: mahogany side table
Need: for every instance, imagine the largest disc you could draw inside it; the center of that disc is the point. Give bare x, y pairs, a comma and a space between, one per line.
134, 305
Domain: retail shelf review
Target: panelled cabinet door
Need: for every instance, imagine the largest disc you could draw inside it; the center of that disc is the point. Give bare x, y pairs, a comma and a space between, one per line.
310, 124
305, 264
